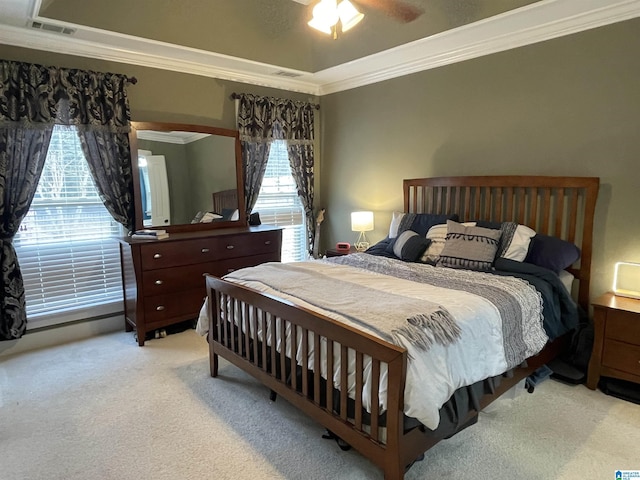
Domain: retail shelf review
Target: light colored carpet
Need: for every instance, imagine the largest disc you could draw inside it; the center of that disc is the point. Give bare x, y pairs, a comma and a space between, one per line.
104, 408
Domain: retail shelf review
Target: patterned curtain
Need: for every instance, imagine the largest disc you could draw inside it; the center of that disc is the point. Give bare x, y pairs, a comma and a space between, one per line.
261, 120
22, 154
32, 99
103, 121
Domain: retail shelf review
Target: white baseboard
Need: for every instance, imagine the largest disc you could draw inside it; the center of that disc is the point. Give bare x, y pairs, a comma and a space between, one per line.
48, 337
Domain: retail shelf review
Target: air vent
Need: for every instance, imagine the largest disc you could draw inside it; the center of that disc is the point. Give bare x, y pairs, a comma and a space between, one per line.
50, 27
282, 73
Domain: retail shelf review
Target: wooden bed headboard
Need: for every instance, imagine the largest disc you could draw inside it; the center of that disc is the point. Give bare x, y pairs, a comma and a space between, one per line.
225, 199
562, 207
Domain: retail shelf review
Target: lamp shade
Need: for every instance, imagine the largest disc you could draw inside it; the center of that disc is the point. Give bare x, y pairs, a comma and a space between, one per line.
349, 16
361, 221
325, 16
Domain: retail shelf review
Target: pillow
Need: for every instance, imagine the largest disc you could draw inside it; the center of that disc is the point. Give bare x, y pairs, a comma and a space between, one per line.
552, 252
473, 248
384, 248
437, 235
418, 222
395, 223
515, 240
409, 246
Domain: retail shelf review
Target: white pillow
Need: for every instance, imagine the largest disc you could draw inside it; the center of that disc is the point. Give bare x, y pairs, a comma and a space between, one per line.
519, 246
395, 224
438, 235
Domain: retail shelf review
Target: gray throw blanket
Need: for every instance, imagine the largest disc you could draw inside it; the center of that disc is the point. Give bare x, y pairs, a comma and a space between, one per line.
393, 317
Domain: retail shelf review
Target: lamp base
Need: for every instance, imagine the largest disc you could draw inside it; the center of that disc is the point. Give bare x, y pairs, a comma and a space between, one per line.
362, 243
361, 246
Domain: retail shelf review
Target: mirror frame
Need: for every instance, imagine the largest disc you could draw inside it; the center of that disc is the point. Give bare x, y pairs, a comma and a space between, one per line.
169, 127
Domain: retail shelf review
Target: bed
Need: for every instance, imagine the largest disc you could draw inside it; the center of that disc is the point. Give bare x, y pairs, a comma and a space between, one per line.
274, 333
225, 200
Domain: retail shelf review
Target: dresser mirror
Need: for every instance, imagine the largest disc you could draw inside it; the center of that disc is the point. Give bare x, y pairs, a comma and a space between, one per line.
186, 177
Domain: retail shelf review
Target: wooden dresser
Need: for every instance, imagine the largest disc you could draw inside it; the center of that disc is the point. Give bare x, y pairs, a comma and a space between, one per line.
163, 280
616, 346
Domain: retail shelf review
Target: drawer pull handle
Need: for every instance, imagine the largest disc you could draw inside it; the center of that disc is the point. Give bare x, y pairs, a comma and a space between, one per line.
268, 242
230, 247
158, 282
205, 250
157, 255
160, 308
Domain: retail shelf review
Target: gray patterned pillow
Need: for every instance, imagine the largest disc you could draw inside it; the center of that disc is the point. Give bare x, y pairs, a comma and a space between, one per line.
473, 248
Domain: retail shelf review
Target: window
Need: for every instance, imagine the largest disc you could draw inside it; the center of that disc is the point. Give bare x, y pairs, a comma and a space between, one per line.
279, 204
66, 248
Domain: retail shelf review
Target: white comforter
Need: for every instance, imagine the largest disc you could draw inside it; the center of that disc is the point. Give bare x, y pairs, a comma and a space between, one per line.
432, 375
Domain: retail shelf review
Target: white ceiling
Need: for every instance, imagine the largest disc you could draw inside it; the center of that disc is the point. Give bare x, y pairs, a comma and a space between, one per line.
533, 23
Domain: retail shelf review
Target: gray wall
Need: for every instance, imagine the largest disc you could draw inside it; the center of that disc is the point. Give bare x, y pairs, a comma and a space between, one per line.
568, 106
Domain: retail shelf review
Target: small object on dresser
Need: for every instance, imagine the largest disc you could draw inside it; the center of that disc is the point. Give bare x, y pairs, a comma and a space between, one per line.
343, 247
148, 234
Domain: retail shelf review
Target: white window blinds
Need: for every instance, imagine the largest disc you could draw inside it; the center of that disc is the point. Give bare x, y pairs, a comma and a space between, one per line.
68, 255
279, 204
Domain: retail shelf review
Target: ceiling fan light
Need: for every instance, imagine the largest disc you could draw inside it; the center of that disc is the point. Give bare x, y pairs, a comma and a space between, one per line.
326, 12
349, 15
319, 25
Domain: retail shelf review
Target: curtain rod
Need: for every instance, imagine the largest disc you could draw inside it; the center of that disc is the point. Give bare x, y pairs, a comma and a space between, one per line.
132, 80
236, 96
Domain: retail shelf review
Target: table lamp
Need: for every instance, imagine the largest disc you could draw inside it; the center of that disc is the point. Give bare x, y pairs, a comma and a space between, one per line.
361, 222
626, 279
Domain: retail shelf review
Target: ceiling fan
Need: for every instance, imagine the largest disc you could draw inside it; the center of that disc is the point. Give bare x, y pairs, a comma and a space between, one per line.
399, 10
328, 13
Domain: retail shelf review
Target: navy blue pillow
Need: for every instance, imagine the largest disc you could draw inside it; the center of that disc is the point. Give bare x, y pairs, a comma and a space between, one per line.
409, 246
422, 222
384, 248
552, 252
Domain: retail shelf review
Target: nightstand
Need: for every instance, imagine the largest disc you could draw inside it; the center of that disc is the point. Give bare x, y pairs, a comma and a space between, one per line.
616, 343
332, 252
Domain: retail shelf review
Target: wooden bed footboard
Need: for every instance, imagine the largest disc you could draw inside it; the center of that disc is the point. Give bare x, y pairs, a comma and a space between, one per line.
244, 344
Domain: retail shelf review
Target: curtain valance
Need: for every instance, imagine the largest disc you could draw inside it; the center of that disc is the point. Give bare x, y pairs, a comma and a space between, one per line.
32, 95
264, 119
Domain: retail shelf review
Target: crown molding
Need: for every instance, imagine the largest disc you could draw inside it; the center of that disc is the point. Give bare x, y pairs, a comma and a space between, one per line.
537, 22
127, 49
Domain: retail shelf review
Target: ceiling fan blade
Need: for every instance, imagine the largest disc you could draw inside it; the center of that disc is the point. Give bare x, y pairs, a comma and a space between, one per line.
398, 9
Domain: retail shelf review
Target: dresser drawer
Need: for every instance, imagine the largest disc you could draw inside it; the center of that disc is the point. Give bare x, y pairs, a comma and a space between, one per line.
185, 304
623, 326
621, 356
254, 244
188, 252
172, 254
169, 280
